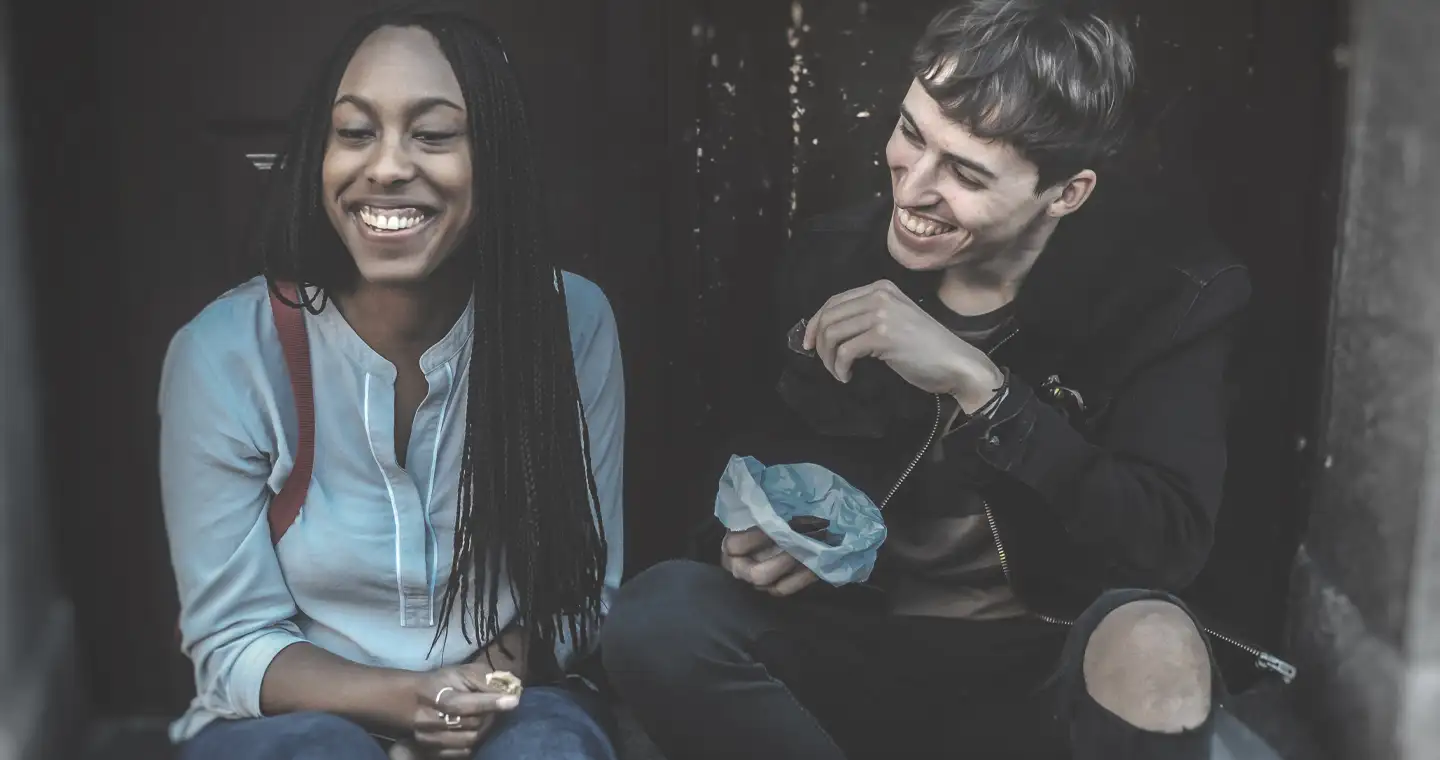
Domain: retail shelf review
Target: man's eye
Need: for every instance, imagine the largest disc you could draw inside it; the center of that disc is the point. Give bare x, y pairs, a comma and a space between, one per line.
966, 179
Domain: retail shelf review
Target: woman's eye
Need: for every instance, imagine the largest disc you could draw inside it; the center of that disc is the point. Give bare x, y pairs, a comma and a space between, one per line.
350, 133
435, 137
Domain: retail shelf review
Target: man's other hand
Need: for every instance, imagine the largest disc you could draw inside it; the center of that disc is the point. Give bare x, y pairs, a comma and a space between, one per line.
752, 556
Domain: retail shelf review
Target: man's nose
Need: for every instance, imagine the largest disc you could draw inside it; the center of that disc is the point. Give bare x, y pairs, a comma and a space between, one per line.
915, 184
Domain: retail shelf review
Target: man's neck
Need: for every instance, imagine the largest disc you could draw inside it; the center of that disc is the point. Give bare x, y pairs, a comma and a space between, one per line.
990, 281
402, 321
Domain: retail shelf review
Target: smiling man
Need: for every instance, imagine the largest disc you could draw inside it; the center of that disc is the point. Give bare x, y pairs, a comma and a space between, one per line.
1025, 369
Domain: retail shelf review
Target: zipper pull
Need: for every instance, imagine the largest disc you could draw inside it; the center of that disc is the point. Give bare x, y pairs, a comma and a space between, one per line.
1267, 661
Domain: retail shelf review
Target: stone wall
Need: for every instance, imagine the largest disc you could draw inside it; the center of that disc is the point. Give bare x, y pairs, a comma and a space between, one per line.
1366, 618
36, 695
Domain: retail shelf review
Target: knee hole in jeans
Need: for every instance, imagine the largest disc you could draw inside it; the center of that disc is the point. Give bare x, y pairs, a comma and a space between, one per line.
1147, 663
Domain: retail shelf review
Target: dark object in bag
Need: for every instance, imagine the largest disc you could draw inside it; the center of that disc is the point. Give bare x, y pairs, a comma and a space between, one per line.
817, 528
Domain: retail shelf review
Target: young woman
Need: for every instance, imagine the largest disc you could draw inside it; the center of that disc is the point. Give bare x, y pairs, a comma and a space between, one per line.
464, 512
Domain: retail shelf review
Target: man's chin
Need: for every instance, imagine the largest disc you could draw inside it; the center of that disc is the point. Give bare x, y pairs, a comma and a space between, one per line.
918, 261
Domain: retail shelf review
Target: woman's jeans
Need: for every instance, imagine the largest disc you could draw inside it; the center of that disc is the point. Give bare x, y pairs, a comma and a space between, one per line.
555, 722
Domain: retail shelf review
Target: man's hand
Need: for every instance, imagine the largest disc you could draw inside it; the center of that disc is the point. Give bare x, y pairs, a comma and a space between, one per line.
753, 557
880, 321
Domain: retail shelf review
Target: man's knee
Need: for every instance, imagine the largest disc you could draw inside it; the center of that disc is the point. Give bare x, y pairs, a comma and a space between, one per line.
1148, 663
664, 614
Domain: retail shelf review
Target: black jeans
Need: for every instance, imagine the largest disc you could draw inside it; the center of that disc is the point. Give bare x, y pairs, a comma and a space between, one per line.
712, 669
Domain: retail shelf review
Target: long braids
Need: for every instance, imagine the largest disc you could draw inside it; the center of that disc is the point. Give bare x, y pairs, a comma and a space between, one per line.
528, 509
527, 458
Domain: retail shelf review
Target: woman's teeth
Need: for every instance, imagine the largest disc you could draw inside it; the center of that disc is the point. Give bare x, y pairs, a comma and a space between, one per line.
921, 227
391, 219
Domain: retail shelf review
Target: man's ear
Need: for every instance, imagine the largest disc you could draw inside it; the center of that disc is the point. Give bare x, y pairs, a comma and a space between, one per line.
1070, 196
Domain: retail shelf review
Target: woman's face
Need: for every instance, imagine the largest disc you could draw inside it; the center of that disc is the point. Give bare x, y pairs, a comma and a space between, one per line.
397, 173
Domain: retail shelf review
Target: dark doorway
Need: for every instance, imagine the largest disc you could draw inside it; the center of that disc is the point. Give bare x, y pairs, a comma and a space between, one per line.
668, 135
147, 133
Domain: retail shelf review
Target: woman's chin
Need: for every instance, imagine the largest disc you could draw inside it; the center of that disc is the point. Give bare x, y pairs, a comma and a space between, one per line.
394, 272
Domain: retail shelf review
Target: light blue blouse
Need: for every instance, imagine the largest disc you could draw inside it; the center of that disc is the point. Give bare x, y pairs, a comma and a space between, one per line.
362, 570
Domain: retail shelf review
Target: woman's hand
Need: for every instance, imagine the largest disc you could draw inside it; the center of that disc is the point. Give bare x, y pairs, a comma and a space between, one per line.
455, 709
404, 749
464, 695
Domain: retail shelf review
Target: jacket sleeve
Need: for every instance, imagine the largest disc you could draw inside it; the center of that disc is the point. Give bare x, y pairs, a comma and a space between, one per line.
235, 608
1142, 496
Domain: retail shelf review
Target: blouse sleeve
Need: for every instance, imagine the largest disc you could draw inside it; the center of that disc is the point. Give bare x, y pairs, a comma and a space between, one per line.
235, 608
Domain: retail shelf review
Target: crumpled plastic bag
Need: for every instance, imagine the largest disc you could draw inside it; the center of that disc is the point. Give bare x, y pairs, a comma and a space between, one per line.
752, 495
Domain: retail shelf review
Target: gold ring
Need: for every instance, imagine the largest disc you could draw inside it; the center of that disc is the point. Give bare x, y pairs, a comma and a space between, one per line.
451, 721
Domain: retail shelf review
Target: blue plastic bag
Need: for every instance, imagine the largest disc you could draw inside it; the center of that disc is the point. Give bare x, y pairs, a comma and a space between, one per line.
752, 495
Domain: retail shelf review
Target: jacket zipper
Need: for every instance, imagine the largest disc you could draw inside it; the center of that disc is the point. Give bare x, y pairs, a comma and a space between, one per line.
919, 456
934, 431
1263, 660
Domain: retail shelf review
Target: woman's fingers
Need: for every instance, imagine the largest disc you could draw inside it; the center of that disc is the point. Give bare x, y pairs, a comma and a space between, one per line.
404, 750
437, 741
428, 719
476, 703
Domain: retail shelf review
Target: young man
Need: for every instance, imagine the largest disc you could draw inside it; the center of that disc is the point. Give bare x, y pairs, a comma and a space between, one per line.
1026, 372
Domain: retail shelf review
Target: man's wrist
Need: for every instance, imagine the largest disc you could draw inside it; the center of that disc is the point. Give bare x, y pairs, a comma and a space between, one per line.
978, 389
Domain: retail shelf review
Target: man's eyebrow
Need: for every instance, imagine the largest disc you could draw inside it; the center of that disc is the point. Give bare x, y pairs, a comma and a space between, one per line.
968, 163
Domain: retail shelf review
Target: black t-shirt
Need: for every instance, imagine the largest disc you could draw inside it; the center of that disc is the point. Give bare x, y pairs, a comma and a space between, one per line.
940, 557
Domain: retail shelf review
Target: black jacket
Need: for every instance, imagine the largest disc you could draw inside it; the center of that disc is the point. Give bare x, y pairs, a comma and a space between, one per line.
1104, 468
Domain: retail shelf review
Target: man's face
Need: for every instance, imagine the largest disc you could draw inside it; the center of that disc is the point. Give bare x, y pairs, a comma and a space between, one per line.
957, 197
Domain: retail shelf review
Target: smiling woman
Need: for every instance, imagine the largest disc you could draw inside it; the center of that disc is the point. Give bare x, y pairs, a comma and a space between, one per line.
397, 178
466, 394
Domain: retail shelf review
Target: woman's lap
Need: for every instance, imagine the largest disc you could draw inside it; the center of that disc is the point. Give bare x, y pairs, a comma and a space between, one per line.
560, 722
295, 736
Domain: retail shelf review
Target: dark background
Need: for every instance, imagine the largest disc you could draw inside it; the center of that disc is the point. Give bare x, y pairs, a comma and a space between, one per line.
668, 136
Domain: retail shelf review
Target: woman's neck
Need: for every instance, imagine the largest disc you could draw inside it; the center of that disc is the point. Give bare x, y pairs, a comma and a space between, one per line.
402, 321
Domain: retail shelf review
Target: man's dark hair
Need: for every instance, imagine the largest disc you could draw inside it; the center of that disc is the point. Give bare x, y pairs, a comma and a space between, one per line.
1050, 77
528, 512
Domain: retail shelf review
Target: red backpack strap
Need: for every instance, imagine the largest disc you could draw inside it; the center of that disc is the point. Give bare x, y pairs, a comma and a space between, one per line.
290, 324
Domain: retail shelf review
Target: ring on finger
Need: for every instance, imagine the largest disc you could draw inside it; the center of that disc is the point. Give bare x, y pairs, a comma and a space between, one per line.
451, 721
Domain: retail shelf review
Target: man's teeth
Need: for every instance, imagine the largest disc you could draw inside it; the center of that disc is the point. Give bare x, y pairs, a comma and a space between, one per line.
922, 227
392, 219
